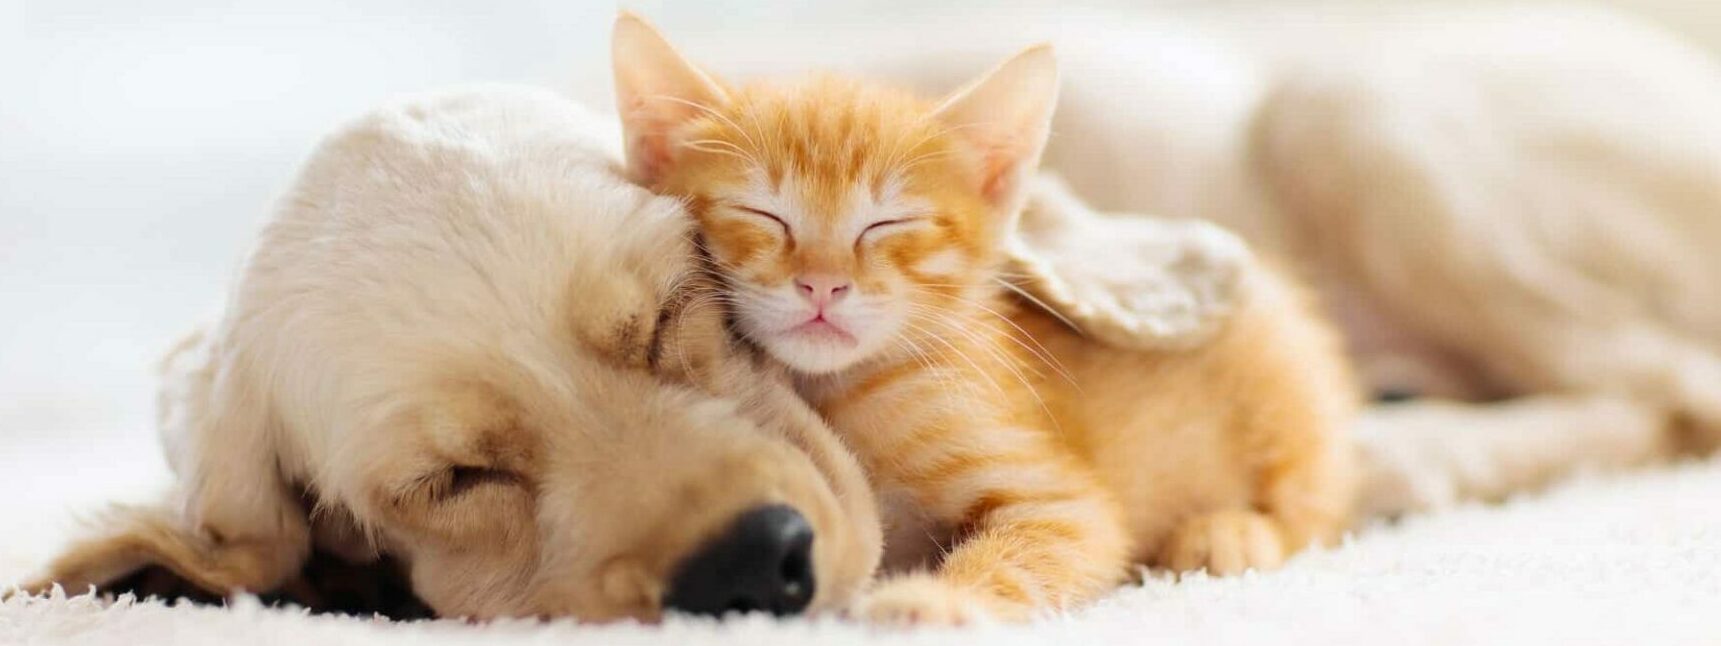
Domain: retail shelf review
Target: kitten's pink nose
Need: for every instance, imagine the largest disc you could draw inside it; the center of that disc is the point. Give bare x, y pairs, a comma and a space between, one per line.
822, 289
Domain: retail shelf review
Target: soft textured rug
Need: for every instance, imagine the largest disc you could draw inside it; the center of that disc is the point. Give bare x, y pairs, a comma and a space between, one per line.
1620, 560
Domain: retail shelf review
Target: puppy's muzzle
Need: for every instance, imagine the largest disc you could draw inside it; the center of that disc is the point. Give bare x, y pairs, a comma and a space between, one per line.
763, 562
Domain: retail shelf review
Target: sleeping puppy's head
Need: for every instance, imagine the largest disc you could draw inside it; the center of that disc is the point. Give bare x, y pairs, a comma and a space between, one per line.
466, 347
587, 485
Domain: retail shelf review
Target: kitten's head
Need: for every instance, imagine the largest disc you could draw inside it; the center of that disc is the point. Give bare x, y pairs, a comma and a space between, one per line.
842, 213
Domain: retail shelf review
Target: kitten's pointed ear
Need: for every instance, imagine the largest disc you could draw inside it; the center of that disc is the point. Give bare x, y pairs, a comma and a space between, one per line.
1006, 116
657, 90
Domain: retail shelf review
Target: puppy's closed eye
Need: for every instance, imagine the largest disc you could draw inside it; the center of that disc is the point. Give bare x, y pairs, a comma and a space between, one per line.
457, 481
465, 479
636, 341
654, 347
460, 503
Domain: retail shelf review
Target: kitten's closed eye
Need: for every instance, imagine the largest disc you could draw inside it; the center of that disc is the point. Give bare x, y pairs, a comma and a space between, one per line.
888, 223
882, 227
767, 215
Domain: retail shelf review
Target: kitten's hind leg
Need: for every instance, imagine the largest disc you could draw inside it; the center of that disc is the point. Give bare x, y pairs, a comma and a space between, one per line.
1303, 499
1303, 494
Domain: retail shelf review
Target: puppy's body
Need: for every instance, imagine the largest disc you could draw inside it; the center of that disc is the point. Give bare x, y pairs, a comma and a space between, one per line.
465, 342
1490, 215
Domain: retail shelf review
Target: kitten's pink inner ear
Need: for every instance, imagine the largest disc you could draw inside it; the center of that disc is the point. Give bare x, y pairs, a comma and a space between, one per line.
1006, 116
657, 92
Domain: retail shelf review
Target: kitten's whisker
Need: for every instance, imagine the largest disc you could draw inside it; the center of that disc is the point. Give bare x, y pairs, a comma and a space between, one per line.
960, 354
966, 357
753, 118
938, 132
714, 114
1040, 359
1039, 350
934, 367
688, 307
1000, 355
719, 147
1003, 359
923, 158
715, 142
1042, 305
939, 371
898, 167
913, 351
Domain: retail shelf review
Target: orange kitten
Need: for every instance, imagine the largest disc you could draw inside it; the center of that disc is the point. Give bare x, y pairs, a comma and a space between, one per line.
860, 231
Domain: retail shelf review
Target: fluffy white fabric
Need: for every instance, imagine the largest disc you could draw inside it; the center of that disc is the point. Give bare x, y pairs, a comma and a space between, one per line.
1630, 559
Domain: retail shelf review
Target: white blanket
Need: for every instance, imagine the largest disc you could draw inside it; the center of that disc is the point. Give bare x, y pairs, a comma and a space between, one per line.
1627, 560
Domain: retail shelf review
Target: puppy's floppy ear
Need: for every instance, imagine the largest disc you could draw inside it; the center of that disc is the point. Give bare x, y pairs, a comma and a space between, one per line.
657, 91
233, 524
1129, 280
1005, 117
149, 551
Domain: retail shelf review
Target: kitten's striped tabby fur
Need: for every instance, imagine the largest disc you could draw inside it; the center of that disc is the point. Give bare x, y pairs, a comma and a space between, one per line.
860, 230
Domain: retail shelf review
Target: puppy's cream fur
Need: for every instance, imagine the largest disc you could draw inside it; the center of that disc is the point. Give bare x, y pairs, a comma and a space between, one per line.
1490, 214
465, 342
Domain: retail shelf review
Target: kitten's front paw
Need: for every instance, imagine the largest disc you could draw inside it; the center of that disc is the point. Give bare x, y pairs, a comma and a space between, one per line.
921, 600
1224, 543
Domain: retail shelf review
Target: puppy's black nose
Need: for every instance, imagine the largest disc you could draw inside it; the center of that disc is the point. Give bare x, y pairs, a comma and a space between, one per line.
764, 561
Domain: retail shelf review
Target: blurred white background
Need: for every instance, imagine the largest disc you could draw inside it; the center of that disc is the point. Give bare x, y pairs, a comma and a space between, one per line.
141, 143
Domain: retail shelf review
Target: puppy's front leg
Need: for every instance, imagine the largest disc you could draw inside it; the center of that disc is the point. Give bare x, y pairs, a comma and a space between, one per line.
1424, 455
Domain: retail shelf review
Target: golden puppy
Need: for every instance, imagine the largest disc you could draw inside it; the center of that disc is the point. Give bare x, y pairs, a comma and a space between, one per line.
464, 343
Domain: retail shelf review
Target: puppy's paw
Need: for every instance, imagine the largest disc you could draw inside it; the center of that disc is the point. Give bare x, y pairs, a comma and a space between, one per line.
922, 600
1224, 543
1398, 482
